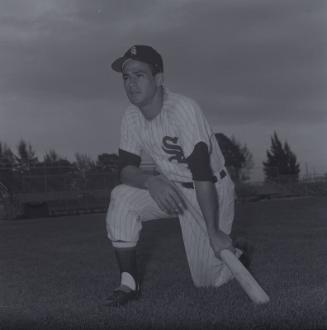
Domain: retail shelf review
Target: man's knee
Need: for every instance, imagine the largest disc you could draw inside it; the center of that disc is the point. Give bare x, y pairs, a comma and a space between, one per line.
119, 192
122, 211
125, 195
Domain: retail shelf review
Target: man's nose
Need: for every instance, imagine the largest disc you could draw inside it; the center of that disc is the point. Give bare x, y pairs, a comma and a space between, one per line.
132, 81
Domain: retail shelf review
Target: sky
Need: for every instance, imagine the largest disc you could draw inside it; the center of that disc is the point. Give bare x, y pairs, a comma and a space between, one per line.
254, 66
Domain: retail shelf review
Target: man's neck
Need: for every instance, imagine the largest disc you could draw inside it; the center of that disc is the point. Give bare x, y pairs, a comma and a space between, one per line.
152, 110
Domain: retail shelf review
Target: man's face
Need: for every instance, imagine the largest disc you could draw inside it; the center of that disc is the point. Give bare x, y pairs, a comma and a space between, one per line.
139, 82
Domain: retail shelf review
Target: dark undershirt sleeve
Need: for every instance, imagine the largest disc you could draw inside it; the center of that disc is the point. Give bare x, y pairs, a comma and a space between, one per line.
127, 158
199, 163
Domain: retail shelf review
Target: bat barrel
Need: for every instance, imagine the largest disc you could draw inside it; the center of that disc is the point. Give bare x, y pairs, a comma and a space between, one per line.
245, 279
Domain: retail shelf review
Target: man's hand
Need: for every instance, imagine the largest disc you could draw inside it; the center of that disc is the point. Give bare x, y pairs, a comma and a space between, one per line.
166, 194
220, 241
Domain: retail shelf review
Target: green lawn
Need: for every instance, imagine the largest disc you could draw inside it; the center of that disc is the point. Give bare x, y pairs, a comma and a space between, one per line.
56, 273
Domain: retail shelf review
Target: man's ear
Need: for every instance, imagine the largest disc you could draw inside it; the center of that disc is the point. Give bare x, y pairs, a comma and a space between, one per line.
159, 79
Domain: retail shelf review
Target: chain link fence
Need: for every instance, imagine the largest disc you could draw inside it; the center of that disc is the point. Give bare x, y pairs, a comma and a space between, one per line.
55, 191
60, 191
284, 186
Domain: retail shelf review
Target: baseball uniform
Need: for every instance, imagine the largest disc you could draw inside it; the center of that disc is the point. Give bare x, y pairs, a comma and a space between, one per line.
170, 139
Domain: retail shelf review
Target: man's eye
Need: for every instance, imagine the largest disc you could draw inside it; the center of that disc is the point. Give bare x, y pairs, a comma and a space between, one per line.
139, 75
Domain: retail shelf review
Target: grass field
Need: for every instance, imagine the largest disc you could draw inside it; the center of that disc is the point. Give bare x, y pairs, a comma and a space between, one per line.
55, 273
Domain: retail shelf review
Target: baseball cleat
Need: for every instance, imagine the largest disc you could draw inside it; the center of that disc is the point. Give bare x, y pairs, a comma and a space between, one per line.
123, 295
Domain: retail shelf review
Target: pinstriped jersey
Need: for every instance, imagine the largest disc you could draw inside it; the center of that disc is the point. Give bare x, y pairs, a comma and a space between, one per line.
171, 136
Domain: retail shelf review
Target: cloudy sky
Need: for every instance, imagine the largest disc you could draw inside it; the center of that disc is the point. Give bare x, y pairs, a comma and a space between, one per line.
255, 67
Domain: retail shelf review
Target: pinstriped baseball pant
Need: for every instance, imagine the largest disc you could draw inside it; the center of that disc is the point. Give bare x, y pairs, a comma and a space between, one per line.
130, 206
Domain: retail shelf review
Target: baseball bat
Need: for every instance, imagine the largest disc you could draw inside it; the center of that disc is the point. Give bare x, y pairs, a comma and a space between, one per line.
244, 278
241, 274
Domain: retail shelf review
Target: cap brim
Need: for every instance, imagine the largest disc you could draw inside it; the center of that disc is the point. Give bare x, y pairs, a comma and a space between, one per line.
117, 65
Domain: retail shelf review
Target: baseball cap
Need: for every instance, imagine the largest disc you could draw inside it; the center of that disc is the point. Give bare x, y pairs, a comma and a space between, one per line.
140, 53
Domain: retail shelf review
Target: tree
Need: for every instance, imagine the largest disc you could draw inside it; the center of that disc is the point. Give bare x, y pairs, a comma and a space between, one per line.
7, 157
238, 158
7, 165
84, 163
52, 159
26, 158
281, 165
55, 164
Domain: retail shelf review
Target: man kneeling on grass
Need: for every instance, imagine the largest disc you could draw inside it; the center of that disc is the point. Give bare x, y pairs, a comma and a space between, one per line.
174, 131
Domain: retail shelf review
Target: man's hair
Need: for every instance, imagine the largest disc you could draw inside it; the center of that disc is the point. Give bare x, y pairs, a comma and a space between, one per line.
154, 69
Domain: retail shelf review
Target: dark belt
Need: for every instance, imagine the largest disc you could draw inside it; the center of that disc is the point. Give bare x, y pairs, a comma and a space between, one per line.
190, 185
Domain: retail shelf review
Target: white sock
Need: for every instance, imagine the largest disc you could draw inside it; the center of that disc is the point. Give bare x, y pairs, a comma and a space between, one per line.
128, 280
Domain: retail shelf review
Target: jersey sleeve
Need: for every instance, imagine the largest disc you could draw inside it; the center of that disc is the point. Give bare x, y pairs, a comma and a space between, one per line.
199, 163
129, 139
193, 128
126, 158
200, 147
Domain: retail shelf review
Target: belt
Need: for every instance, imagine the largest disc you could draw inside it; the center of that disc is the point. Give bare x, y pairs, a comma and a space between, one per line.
190, 185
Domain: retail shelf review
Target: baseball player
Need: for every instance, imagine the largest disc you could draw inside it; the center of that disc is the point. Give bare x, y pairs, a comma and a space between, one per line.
173, 130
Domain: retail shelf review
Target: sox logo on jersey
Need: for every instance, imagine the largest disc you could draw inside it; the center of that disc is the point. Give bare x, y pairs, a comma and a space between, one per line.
171, 147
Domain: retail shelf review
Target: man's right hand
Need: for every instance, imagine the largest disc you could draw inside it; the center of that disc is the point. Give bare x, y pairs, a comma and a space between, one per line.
220, 241
165, 194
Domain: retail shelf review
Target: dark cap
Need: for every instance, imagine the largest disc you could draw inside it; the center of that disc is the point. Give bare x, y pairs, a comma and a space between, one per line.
140, 53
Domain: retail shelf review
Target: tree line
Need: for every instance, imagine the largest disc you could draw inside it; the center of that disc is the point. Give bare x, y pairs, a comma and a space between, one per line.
23, 168
25, 160
280, 166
